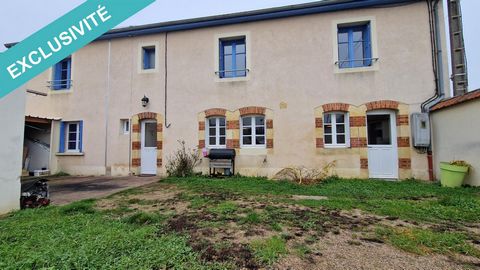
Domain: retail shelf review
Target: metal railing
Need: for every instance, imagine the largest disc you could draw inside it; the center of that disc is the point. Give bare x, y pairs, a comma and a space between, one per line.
224, 72
59, 84
356, 60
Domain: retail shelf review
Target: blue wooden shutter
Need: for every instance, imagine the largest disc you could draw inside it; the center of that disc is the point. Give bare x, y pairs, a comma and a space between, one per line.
61, 148
80, 135
146, 59
57, 76
368, 45
69, 72
222, 61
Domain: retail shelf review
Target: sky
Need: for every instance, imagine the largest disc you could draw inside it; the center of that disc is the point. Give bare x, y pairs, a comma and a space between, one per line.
21, 18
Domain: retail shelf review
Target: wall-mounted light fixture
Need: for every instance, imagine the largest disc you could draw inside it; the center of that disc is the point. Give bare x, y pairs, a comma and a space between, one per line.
145, 101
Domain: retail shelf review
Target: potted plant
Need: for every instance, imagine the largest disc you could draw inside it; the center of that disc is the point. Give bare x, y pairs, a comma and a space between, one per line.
453, 173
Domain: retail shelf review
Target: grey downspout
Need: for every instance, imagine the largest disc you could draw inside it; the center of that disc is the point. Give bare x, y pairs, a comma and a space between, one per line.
167, 125
440, 92
107, 103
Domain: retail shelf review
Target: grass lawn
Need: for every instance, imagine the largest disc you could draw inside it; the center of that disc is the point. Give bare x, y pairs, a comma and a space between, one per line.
202, 223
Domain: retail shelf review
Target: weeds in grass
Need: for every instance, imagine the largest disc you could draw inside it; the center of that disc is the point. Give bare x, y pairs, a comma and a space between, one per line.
225, 208
251, 218
302, 250
424, 241
81, 207
142, 218
269, 250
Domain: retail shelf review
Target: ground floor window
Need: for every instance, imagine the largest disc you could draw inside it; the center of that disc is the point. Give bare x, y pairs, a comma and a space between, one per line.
335, 129
253, 131
216, 132
71, 136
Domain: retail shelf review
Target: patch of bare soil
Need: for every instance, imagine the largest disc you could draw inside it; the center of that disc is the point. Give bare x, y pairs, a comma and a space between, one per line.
339, 251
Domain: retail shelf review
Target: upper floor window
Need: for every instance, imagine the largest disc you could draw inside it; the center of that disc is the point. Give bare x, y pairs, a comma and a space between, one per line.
354, 46
71, 134
216, 132
253, 131
62, 72
336, 129
233, 58
148, 57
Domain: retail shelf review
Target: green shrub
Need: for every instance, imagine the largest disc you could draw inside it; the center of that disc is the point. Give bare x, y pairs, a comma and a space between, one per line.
183, 162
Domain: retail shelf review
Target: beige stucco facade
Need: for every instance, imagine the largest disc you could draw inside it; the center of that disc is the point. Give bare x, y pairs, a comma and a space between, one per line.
12, 108
292, 74
455, 137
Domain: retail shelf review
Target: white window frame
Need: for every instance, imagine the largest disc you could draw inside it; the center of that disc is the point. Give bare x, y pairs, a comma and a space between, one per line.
334, 143
67, 140
125, 126
373, 40
254, 132
217, 132
141, 47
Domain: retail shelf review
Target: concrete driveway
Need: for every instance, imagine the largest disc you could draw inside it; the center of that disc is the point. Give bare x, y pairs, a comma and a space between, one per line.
70, 189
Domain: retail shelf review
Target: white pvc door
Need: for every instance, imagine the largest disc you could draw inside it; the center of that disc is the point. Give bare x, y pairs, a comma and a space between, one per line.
382, 145
149, 148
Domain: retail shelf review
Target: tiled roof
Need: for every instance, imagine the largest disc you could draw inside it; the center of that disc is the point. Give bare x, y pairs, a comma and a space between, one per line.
457, 100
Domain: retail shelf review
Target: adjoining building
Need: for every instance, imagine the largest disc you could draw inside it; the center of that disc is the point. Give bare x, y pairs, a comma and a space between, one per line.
298, 85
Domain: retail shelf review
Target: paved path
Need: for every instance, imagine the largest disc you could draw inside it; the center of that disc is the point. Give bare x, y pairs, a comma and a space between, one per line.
70, 189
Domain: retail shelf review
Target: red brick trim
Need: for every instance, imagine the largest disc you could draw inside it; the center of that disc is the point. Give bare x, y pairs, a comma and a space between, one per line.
364, 163
215, 112
159, 127
403, 142
269, 143
159, 145
136, 162
201, 125
319, 143
269, 123
358, 142
318, 122
147, 115
382, 104
358, 121
159, 162
136, 128
252, 110
332, 107
457, 100
405, 163
136, 146
234, 124
402, 120
233, 143
201, 144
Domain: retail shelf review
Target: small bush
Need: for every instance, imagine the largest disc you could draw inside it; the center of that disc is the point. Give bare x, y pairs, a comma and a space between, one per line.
183, 162
269, 250
303, 175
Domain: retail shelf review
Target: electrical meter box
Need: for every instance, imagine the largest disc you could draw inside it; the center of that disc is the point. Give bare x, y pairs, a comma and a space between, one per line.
420, 129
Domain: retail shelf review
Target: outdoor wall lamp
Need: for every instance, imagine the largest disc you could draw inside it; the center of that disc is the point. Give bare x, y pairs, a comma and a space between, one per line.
145, 101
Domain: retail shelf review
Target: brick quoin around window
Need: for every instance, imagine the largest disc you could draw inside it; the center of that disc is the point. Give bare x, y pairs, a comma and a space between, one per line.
201, 125
234, 124
147, 115
403, 141
364, 163
319, 143
405, 163
402, 120
358, 121
318, 122
382, 104
252, 110
215, 112
136, 145
335, 107
233, 143
358, 142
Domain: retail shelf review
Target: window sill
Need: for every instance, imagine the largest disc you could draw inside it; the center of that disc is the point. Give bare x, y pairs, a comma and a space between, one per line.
148, 71
338, 70
336, 146
234, 79
253, 151
70, 154
60, 91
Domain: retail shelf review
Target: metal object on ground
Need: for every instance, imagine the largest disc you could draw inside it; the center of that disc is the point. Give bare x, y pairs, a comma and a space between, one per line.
222, 159
35, 194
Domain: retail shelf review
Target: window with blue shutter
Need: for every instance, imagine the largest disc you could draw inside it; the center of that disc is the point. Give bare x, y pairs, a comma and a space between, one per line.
233, 58
62, 74
71, 137
148, 57
354, 46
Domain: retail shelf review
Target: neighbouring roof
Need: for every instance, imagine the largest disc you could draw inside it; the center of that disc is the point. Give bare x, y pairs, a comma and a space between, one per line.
457, 100
248, 16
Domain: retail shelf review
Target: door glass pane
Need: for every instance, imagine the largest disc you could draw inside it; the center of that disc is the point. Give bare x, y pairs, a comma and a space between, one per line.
379, 132
150, 135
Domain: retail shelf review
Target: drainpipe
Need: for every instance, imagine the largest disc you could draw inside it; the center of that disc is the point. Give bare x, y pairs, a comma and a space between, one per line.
107, 103
438, 62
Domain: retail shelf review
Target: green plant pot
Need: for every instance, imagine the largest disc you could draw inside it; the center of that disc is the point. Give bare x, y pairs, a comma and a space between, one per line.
452, 175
